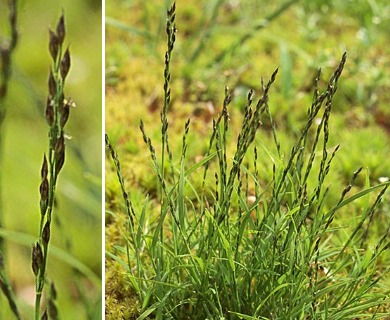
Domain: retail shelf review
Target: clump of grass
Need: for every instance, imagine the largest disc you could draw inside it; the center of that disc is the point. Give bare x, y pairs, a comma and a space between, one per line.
57, 114
273, 257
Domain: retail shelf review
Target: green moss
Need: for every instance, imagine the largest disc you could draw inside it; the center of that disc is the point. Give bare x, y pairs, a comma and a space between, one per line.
121, 301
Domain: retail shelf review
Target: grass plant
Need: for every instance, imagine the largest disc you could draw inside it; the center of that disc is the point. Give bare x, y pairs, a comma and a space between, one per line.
223, 251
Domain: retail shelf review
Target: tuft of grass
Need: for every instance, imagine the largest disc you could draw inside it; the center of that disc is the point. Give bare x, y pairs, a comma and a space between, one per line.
223, 252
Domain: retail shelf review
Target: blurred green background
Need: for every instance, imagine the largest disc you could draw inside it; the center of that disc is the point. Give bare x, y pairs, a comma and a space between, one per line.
297, 36
77, 218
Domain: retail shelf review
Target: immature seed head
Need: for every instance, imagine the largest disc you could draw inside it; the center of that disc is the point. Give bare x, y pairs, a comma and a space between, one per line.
44, 169
60, 163
49, 112
65, 64
65, 113
52, 84
46, 233
37, 258
61, 29
53, 45
60, 146
44, 189
59, 153
43, 206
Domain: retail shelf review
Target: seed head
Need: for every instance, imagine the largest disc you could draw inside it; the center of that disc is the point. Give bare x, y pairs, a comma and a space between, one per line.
44, 192
43, 206
44, 189
53, 45
52, 84
65, 64
37, 258
60, 146
61, 29
65, 113
46, 233
49, 112
59, 153
60, 162
44, 169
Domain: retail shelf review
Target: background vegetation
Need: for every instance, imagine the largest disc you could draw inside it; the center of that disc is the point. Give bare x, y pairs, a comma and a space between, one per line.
297, 36
306, 36
77, 219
